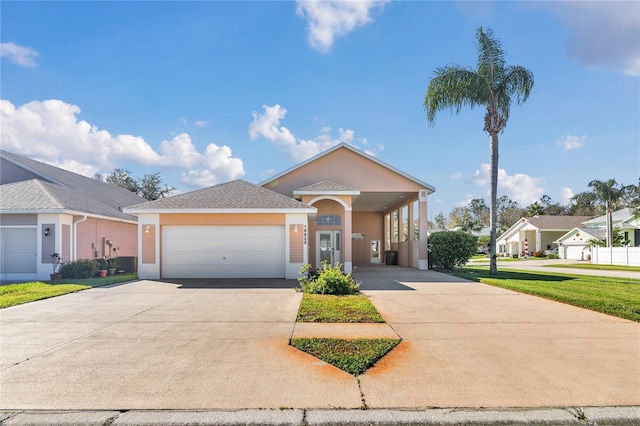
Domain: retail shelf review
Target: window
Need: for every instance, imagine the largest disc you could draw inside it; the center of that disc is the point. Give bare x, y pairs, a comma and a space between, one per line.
405, 223
416, 220
329, 220
395, 227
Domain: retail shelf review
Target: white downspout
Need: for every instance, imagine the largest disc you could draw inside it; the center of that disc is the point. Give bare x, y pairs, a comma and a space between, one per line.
75, 236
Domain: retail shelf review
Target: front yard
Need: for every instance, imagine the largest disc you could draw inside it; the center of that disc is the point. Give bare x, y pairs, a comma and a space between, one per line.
17, 294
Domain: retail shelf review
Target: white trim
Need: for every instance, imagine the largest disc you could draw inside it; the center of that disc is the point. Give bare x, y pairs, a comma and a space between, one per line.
220, 211
329, 197
68, 212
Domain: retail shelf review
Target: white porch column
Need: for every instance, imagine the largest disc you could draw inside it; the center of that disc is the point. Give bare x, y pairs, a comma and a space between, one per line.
538, 242
423, 256
348, 263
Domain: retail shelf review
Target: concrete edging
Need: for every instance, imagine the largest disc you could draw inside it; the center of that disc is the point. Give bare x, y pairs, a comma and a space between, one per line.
612, 416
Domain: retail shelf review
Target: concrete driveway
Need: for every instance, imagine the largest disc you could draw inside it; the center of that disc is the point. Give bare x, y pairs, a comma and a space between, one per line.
149, 344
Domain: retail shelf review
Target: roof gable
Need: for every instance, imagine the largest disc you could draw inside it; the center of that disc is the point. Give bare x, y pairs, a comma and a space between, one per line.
72, 192
345, 165
234, 195
619, 216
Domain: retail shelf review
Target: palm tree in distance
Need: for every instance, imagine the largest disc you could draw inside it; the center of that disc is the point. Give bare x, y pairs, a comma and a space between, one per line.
609, 193
492, 85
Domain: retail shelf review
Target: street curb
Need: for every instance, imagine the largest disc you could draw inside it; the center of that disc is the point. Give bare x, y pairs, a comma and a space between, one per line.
593, 416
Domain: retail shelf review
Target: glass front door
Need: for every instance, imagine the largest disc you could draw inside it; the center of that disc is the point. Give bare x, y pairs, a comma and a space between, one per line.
328, 247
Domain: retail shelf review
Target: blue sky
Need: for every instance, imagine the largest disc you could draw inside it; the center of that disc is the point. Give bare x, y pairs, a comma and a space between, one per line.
207, 92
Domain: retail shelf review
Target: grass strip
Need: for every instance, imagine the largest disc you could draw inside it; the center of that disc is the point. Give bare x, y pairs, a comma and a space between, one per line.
355, 356
98, 282
17, 294
614, 296
598, 267
353, 308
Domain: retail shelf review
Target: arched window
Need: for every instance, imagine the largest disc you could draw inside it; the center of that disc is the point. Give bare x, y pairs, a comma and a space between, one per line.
329, 220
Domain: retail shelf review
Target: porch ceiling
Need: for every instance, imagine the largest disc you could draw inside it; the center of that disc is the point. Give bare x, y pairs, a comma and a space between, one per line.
379, 201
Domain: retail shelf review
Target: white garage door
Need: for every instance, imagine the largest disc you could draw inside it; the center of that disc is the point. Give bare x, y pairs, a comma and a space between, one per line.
223, 252
575, 252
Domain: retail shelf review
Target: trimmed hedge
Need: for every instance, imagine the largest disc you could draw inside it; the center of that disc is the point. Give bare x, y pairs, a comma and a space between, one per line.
83, 268
451, 249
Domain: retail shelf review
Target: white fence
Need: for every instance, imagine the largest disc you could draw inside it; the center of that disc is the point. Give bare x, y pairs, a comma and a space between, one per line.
616, 256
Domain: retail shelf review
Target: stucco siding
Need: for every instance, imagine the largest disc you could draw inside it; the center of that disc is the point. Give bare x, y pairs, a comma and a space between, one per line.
372, 226
222, 219
95, 232
296, 253
148, 244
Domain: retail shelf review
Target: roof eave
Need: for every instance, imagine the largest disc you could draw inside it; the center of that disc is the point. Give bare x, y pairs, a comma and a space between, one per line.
69, 212
311, 210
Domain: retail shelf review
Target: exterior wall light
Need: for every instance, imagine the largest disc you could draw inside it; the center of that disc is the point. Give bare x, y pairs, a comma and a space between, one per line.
46, 232
147, 228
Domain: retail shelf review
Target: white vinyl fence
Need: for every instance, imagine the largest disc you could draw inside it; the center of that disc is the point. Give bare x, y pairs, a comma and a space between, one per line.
616, 256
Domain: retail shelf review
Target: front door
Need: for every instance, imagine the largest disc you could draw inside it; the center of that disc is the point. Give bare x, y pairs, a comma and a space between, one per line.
328, 247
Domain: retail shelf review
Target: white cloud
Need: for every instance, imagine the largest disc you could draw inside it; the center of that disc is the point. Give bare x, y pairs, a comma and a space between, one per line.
605, 34
521, 188
51, 132
200, 123
565, 196
20, 55
569, 142
456, 176
328, 19
267, 126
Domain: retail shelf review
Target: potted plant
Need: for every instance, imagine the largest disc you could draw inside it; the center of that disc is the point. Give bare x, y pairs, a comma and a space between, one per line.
102, 267
56, 263
112, 265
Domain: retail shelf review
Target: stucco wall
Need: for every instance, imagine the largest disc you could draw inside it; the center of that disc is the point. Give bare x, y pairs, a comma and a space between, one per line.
372, 225
97, 231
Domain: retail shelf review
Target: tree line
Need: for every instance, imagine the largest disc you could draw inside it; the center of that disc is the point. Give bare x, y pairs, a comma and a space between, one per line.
603, 197
149, 187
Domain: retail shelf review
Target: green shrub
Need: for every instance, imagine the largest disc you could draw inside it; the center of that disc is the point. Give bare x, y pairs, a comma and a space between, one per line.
83, 268
553, 256
539, 253
451, 249
329, 280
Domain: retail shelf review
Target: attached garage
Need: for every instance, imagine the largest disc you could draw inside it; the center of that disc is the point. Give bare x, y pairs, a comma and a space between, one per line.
223, 251
18, 248
575, 252
232, 230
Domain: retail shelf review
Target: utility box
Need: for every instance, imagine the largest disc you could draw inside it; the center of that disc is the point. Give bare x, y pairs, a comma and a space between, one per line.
391, 257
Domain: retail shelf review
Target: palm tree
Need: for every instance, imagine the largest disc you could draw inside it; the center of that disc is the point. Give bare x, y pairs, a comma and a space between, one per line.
492, 85
609, 193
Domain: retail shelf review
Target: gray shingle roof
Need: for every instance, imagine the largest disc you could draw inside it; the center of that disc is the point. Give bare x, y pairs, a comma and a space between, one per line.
617, 216
64, 190
557, 222
326, 186
237, 194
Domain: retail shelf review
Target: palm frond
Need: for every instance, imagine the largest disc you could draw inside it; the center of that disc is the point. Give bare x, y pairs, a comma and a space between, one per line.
490, 55
452, 88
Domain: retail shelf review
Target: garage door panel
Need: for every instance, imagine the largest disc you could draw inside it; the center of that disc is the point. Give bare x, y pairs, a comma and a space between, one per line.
223, 251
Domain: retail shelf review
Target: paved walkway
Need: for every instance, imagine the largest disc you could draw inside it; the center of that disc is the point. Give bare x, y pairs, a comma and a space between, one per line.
153, 345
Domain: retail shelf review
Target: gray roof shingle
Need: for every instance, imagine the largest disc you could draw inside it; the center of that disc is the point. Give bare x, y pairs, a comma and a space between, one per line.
557, 222
64, 190
237, 194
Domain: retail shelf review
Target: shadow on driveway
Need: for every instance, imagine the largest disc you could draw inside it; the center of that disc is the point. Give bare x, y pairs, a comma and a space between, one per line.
231, 283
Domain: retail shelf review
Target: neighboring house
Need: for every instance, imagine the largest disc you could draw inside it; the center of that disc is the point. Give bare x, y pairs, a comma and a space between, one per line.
341, 206
537, 233
575, 244
46, 210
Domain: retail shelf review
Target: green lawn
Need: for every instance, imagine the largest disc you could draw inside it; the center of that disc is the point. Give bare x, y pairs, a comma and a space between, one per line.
354, 356
329, 308
614, 296
17, 294
499, 259
599, 267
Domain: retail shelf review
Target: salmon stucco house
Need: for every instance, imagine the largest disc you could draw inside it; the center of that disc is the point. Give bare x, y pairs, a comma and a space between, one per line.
341, 206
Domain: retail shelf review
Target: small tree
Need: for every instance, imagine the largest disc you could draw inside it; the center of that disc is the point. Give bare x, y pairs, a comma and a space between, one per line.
451, 249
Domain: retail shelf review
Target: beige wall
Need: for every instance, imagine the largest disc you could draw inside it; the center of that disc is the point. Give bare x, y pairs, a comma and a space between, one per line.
347, 168
222, 219
372, 225
97, 231
148, 244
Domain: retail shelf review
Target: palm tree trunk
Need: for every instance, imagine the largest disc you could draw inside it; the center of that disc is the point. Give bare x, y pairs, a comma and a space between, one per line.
493, 166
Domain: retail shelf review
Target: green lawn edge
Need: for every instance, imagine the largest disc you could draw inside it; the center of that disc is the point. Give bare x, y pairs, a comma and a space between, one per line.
353, 308
21, 293
596, 267
355, 356
619, 297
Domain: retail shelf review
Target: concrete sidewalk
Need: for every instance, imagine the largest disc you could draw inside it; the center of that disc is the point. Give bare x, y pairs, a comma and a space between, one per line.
152, 345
